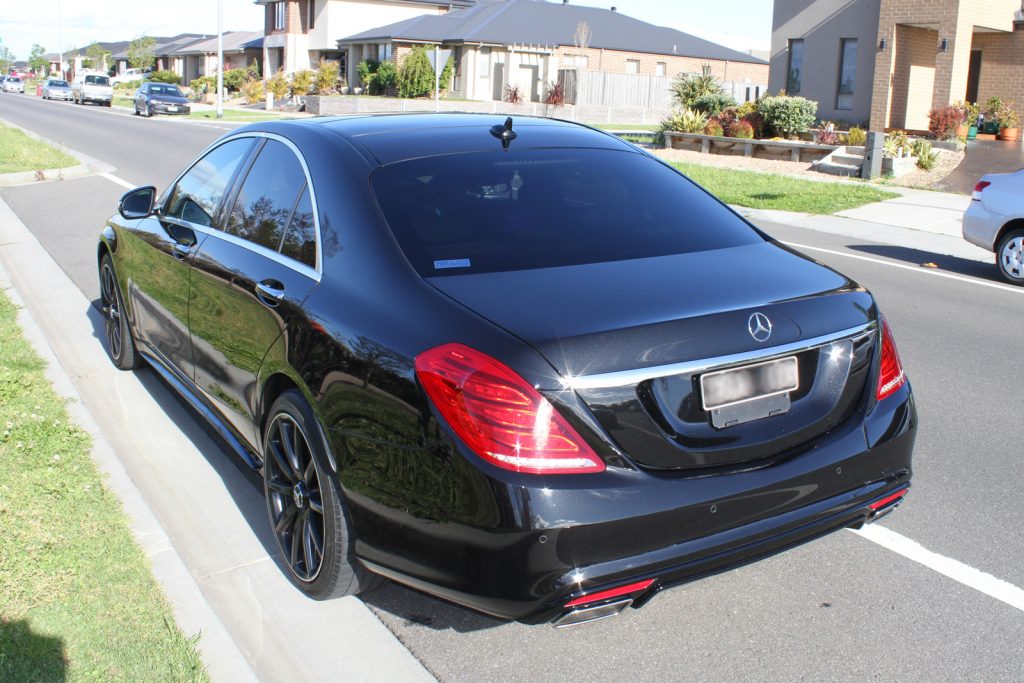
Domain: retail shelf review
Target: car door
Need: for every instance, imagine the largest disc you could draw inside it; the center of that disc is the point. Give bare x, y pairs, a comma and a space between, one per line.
248, 282
158, 252
140, 97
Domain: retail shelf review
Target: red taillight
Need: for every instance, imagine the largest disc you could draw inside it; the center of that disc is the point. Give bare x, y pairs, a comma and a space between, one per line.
890, 373
611, 593
500, 415
888, 500
982, 184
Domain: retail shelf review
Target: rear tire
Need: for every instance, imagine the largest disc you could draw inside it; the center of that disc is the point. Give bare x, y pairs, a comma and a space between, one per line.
1010, 257
120, 343
306, 506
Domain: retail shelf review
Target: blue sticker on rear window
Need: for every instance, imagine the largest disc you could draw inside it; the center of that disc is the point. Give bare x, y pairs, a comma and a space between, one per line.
452, 263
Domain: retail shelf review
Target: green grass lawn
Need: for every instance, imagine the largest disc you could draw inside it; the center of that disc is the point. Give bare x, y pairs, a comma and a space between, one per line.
78, 601
785, 193
19, 152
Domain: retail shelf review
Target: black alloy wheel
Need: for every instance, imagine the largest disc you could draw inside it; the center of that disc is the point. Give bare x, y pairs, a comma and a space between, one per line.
305, 505
120, 344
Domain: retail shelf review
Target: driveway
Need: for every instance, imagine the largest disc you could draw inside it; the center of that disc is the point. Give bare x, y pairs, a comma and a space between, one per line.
983, 156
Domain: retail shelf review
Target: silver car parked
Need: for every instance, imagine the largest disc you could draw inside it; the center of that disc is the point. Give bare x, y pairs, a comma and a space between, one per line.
995, 221
57, 89
14, 84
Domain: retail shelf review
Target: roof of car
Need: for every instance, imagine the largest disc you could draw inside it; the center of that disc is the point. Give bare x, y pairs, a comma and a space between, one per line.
396, 137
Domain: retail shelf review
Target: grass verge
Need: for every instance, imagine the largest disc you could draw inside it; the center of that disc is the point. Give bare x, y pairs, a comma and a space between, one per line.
784, 193
19, 152
77, 597
237, 115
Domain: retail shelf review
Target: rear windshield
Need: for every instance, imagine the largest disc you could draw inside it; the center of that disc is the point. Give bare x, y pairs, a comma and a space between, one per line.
540, 208
97, 80
14, 79
59, 84
162, 89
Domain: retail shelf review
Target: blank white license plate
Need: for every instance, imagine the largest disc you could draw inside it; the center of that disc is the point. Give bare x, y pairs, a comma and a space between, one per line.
172, 108
750, 382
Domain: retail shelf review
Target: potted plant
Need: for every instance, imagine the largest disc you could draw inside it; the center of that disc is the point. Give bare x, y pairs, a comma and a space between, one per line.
1009, 123
963, 116
973, 111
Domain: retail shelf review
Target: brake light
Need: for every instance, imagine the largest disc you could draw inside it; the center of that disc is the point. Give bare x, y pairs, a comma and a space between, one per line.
890, 372
981, 185
500, 415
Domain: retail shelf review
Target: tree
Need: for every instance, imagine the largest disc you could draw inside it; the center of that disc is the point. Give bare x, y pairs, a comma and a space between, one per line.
141, 52
97, 56
6, 59
36, 60
416, 77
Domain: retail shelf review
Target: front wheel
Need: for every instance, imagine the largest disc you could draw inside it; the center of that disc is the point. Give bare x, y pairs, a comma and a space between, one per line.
307, 510
120, 344
1010, 257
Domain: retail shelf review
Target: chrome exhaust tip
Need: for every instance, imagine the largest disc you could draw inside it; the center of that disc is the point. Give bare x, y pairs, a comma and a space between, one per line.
584, 615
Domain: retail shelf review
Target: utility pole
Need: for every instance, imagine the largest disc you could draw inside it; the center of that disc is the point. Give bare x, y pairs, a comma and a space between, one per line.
220, 59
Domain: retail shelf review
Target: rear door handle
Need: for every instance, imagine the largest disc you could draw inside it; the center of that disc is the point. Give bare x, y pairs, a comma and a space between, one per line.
270, 292
182, 251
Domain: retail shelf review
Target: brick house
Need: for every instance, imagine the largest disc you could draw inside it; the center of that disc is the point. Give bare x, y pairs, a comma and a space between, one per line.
532, 43
889, 62
298, 33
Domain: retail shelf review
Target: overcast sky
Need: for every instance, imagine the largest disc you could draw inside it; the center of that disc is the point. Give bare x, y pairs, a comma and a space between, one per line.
739, 24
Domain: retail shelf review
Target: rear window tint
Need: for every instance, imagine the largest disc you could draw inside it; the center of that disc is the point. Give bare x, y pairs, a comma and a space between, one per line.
97, 80
519, 210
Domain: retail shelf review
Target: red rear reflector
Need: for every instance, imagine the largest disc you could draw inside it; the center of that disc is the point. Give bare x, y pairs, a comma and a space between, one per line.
879, 504
890, 373
982, 184
611, 593
500, 415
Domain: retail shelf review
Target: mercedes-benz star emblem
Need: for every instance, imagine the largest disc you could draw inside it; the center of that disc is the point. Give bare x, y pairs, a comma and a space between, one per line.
760, 327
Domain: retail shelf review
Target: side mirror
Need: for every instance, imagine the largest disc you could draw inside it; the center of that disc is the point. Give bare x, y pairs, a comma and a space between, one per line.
137, 203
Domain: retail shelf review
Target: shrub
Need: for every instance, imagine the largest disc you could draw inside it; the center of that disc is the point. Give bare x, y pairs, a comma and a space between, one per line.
713, 128
252, 90
827, 134
942, 122
856, 137
165, 77
713, 104
896, 145
926, 158
788, 116
747, 108
302, 82
687, 89
684, 120
416, 77
513, 95
555, 95
1008, 116
756, 122
366, 70
326, 77
386, 77
741, 129
129, 85
725, 118
234, 79
278, 85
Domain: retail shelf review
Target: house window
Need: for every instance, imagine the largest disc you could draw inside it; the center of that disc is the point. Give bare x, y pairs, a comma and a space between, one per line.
847, 73
632, 66
385, 52
311, 13
660, 69
796, 67
278, 16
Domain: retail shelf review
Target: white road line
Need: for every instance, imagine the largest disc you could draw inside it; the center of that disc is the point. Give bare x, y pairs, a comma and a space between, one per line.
915, 269
991, 586
114, 179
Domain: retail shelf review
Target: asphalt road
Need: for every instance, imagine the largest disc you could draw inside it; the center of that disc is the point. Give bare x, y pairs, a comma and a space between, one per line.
846, 607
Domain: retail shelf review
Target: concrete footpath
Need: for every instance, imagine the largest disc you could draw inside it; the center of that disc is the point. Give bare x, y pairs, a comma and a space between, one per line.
203, 522
200, 520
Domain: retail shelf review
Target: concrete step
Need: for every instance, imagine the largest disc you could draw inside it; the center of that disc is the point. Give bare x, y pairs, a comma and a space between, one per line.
849, 159
833, 168
854, 151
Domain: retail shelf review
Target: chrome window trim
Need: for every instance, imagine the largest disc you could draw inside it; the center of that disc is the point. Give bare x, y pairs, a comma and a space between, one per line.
317, 272
623, 378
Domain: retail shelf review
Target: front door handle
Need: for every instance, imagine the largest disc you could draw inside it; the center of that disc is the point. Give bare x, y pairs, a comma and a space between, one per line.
182, 251
270, 292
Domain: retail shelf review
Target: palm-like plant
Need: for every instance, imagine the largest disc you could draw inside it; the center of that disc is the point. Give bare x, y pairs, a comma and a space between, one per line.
687, 89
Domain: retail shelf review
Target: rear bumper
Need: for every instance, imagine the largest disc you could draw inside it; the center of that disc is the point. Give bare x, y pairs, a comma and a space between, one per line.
618, 528
980, 226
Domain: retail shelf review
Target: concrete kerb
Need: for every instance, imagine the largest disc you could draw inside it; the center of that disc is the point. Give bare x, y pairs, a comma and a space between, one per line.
221, 583
193, 614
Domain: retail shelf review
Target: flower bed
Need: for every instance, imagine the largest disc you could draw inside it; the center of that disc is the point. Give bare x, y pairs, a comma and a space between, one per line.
788, 150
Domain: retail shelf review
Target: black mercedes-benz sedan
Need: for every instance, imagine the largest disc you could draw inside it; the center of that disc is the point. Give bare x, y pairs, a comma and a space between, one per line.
521, 365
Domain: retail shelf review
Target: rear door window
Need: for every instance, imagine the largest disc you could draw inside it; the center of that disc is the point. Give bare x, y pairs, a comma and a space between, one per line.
199, 192
273, 186
541, 208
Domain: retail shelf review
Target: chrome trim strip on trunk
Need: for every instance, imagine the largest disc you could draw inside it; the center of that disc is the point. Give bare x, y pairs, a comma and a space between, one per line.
621, 378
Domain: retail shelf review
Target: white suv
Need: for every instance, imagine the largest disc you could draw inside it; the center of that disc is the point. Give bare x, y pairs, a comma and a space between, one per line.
92, 87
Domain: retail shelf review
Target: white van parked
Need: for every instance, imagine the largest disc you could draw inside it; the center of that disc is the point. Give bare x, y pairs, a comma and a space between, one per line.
92, 86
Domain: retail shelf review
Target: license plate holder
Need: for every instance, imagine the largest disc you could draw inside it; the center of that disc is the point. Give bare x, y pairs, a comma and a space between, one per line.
750, 392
